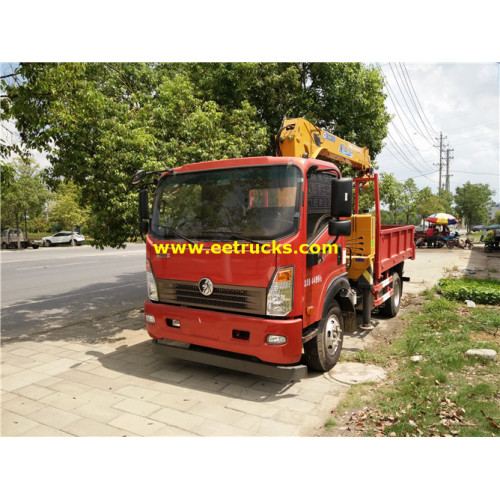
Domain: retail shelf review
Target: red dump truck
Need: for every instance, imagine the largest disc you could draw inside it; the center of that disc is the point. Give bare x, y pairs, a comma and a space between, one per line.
260, 264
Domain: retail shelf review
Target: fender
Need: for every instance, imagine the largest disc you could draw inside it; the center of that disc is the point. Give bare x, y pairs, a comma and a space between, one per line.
340, 289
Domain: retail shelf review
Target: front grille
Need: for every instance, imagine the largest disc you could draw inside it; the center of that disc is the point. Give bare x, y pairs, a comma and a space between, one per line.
246, 299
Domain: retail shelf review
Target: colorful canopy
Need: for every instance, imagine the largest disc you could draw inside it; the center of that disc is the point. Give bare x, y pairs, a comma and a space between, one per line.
442, 218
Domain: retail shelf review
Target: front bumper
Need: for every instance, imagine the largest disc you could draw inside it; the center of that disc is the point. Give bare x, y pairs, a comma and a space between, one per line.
215, 329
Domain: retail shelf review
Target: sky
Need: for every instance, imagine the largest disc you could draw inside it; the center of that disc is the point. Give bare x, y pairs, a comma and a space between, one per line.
459, 101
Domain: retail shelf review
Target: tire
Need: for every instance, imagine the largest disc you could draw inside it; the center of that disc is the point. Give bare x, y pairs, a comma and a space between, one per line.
47, 243
450, 243
4, 246
323, 351
488, 248
391, 305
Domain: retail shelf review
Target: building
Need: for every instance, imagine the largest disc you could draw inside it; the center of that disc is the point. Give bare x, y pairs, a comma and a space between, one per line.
492, 210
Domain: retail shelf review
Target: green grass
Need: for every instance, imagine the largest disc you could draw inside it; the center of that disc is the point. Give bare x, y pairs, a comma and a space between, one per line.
446, 393
330, 424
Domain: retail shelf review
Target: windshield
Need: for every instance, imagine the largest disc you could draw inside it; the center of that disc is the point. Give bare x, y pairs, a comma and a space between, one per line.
257, 202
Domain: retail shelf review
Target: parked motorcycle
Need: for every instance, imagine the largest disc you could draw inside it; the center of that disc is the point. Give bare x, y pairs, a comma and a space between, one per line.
454, 240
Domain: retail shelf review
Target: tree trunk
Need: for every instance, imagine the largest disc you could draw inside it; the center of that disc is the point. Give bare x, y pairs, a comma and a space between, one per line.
18, 235
25, 225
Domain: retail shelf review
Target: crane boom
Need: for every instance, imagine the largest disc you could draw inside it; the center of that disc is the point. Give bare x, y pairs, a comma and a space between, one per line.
300, 138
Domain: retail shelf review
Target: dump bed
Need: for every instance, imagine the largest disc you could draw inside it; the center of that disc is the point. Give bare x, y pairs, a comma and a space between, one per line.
395, 244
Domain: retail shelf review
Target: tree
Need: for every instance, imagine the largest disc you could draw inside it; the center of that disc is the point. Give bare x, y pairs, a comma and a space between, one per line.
427, 203
409, 197
471, 202
390, 194
23, 193
496, 219
101, 122
67, 208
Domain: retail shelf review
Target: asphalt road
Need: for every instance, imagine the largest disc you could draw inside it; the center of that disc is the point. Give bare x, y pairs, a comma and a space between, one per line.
48, 288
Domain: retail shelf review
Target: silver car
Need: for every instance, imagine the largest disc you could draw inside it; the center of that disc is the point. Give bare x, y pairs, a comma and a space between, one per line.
63, 237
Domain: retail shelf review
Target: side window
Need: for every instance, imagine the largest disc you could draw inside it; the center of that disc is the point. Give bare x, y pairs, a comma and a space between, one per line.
319, 199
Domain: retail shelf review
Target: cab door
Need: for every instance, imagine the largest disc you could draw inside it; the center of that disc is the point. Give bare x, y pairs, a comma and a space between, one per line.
322, 261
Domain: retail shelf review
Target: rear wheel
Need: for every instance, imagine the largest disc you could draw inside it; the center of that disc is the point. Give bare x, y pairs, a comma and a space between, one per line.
323, 351
391, 305
450, 243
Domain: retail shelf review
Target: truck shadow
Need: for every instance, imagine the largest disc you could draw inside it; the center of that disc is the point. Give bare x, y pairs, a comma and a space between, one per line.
139, 360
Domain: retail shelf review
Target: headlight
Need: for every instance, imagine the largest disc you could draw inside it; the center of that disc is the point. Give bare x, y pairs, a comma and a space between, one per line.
151, 282
280, 295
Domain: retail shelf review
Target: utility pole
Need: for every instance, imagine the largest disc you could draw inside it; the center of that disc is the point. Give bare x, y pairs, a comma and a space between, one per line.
440, 160
448, 158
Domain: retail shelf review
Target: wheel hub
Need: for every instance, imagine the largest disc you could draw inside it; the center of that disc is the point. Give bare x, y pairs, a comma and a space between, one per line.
332, 335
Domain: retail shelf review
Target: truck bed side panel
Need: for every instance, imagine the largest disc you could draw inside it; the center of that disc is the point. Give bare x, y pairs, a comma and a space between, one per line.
396, 245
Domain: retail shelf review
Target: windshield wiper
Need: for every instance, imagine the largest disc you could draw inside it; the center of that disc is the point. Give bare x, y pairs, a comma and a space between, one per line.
177, 233
232, 234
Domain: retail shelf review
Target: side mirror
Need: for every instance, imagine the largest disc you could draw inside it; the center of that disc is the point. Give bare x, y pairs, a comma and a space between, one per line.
341, 197
143, 204
138, 176
144, 227
339, 228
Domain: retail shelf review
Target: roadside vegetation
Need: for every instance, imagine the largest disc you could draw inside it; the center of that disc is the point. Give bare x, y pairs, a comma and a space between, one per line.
433, 388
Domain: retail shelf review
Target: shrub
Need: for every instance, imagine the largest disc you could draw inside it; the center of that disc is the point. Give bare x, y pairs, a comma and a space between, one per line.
479, 291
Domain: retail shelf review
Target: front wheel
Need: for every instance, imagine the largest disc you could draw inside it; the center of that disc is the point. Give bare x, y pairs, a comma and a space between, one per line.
47, 243
323, 351
450, 243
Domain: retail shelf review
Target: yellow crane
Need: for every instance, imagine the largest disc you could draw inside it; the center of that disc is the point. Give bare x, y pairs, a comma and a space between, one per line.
300, 138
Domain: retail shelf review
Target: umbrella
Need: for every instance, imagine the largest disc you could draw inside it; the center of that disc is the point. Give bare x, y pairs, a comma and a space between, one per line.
494, 226
441, 218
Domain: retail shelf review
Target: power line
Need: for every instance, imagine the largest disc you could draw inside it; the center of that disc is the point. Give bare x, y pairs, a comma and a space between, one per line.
391, 93
402, 95
408, 91
418, 102
405, 158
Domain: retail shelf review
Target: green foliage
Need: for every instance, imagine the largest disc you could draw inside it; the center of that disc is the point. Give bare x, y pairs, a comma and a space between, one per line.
471, 201
409, 199
496, 219
479, 291
66, 210
390, 193
101, 122
23, 193
427, 203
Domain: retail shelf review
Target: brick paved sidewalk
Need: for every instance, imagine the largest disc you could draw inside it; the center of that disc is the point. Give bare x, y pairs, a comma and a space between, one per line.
102, 379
